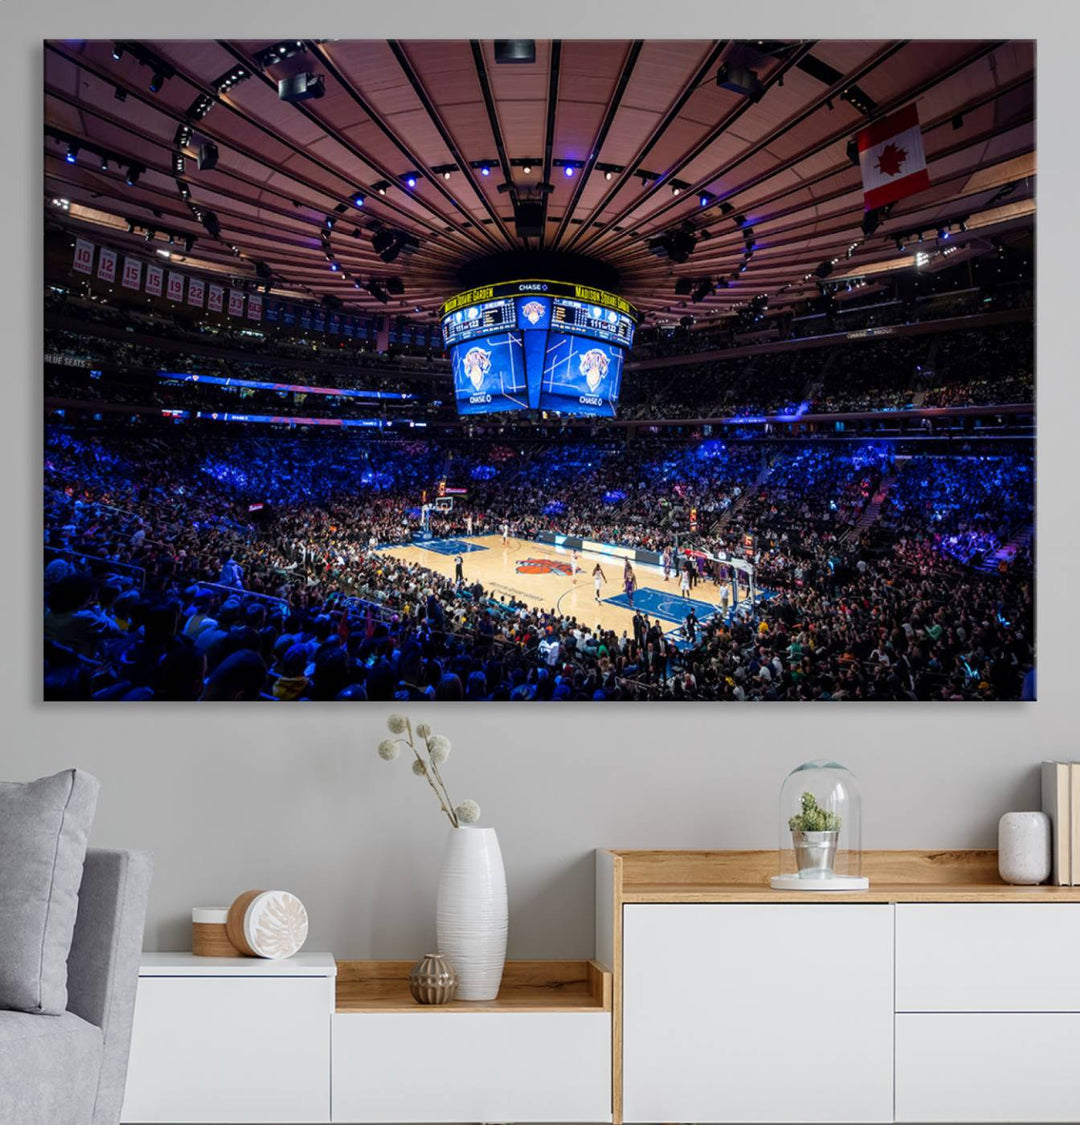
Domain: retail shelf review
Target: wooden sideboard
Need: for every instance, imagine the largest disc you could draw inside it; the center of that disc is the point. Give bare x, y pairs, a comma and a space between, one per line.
940, 994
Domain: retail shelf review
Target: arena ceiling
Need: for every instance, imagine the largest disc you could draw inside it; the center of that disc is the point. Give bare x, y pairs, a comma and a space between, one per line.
653, 144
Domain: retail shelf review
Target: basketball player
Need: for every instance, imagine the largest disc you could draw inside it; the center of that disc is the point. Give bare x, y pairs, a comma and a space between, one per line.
629, 583
459, 572
506, 533
468, 524
598, 578
684, 581
725, 598
667, 562
574, 568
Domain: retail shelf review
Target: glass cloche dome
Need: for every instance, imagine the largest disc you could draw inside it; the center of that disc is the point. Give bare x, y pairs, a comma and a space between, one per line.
820, 830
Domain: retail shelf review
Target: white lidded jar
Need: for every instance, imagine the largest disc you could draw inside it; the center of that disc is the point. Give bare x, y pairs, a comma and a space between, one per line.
1024, 848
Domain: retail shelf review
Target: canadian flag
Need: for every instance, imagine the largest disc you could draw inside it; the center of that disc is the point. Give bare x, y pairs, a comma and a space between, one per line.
891, 158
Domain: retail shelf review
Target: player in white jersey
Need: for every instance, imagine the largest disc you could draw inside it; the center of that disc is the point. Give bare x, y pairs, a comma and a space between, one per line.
468, 524
598, 578
574, 568
506, 533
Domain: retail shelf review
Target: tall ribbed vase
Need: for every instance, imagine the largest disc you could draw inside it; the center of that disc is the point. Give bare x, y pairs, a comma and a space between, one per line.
470, 914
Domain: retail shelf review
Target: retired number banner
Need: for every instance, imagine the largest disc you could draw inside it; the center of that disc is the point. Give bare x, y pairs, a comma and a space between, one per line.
84, 256
132, 275
196, 292
176, 286
217, 294
236, 302
255, 306
106, 266
154, 276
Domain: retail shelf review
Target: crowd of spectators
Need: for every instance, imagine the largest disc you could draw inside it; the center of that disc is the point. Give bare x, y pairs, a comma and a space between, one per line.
196, 566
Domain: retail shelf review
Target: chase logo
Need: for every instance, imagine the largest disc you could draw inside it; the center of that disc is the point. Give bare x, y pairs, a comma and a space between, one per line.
533, 311
594, 366
477, 364
542, 566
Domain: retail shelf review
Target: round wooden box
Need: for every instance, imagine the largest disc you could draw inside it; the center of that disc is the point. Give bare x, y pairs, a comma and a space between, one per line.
209, 935
271, 924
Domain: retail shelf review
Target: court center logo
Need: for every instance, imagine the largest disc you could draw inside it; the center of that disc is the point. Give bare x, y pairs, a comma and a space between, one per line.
542, 566
533, 311
477, 364
594, 366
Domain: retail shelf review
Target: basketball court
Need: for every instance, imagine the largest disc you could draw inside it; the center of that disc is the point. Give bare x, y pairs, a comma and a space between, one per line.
539, 575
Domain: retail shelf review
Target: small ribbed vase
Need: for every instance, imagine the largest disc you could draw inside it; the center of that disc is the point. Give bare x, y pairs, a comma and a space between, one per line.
433, 980
470, 913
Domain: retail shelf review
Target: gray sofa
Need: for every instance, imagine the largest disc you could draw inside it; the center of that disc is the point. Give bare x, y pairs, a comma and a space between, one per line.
70, 1069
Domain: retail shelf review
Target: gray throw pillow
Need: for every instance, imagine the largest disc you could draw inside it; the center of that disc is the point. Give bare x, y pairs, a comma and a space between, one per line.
44, 826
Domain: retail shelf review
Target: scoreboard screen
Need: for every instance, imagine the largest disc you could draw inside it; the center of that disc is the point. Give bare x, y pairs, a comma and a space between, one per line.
478, 320
591, 320
534, 345
489, 374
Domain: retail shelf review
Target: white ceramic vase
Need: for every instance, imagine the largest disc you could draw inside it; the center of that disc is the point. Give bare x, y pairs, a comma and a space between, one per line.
1024, 845
470, 914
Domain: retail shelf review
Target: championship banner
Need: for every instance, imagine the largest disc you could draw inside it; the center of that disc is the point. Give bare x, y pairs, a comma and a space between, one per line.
217, 295
334, 324
236, 302
255, 306
176, 286
106, 266
348, 327
891, 158
154, 276
273, 311
84, 256
196, 292
132, 275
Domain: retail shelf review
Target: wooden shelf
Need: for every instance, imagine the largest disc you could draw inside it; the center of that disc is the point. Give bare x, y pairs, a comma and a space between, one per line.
527, 986
895, 876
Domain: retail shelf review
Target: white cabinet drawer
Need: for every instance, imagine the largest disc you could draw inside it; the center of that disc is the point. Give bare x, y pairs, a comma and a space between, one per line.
472, 1066
758, 1013
988, 957
988, 1067
230, 1049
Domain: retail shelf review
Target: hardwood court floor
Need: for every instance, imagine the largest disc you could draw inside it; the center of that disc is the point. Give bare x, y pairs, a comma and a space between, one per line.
538, 574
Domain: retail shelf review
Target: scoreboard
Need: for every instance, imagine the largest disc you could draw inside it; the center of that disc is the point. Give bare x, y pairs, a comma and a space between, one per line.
592, 320
545, 345
486, 319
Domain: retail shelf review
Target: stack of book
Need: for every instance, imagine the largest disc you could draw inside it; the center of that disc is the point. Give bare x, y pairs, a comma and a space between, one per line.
1061, 803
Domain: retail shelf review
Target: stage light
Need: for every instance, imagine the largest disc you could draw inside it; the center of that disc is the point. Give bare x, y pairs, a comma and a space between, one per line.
117, 52
150, 235
120, 94
943, 233
485, 171
72, 153
410, 180
900, 245
356, 199
527, 168
329, 222
156, 82
568, 171
703, 199
608, 174
133, 174
334, 267
446, 175
104, 163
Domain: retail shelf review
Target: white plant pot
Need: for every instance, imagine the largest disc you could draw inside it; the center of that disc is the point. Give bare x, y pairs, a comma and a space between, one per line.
470, 913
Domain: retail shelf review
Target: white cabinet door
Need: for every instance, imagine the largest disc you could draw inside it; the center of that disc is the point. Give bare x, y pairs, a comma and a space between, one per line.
472, 1066
988, 1066
758, 1013
988, 957
230, 1049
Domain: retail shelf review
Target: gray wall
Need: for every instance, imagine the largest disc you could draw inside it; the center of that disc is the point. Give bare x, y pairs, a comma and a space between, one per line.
232, 798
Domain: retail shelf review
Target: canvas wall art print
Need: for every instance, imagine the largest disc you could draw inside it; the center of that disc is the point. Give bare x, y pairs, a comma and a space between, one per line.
539, 370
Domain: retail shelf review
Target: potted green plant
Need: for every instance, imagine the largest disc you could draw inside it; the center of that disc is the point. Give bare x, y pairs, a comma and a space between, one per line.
814, 835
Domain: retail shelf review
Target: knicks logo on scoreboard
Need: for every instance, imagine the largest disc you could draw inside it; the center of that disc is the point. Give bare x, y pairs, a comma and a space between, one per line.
477, 364
594, 366
542, 566
533, 311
